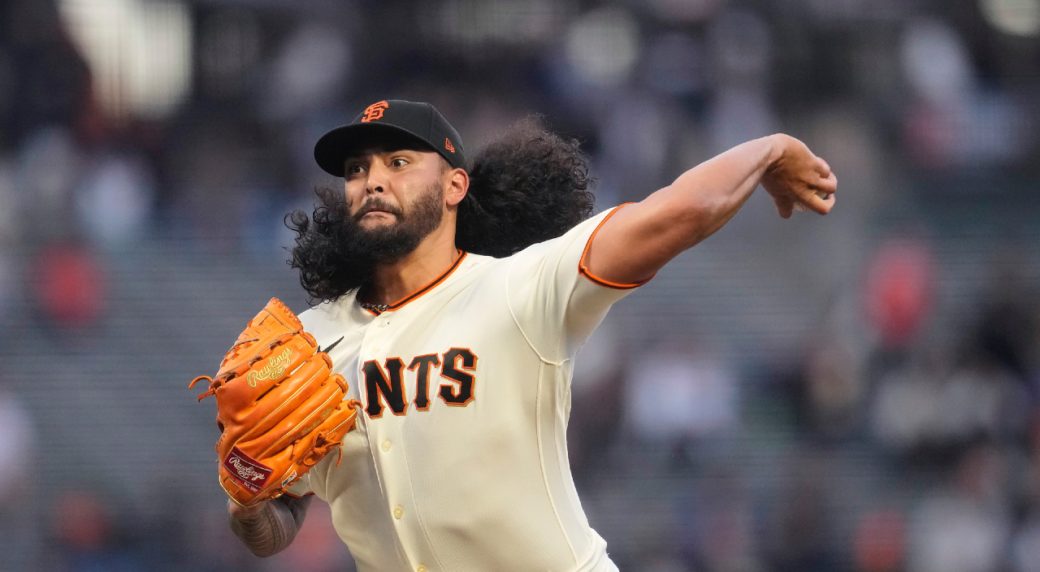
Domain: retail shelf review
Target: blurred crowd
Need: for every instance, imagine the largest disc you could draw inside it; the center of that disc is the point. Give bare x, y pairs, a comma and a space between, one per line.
852, 393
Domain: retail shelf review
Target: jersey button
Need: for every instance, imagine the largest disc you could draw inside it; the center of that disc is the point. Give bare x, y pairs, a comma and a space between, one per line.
386, 445
421, 568
398, 512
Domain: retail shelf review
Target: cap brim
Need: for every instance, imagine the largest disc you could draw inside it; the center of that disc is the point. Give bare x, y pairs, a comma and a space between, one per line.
335, 146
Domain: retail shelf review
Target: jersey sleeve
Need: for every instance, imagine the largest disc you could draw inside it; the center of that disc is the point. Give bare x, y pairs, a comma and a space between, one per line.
554, 298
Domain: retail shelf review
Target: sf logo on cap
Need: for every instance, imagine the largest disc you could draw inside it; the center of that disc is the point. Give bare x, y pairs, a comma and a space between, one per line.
374, 111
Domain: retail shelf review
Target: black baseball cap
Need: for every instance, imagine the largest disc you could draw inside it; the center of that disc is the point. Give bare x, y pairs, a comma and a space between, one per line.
390, 121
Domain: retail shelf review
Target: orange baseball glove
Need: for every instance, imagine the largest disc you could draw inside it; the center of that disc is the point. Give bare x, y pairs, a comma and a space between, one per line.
280, 407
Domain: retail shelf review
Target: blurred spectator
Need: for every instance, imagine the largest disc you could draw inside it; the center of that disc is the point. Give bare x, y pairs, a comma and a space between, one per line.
952, 122
17, 447
964, 525
740, 42
313, 65
828, 391
596, 403
88, 536
680, 393
1005, 332
115, 198
799, 534
900, 291
879, 541
69, 287
924, 409
636, 145
10, 202
9, 285
49, 167
905, 412
18, 443
1025, 548
716, 523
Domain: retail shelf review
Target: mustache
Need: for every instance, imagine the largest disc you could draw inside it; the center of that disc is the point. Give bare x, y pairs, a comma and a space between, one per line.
377, 205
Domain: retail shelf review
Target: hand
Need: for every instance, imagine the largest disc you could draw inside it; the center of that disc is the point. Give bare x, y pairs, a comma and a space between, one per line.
798, 179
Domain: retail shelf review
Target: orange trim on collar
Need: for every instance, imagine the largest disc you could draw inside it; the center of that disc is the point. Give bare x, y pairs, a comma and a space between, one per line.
583, 268
414, 295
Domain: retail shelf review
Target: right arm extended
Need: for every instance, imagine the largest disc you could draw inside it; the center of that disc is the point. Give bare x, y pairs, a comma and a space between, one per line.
641, 238
269, 527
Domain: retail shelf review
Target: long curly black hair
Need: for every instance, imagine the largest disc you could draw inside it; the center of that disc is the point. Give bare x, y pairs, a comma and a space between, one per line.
527, 186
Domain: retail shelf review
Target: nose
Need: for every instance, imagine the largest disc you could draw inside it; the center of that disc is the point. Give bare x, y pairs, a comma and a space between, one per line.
376, 181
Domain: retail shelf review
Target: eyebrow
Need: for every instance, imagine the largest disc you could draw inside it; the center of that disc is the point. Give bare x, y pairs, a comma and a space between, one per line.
354, 156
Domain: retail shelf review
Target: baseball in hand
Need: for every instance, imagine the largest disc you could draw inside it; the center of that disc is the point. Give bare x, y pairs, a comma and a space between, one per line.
800, 207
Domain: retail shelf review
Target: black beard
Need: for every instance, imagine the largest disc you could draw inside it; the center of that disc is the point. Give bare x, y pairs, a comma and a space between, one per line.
391, 243
335, 255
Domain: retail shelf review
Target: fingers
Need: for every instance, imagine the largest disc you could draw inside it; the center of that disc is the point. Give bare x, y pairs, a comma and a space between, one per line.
822, 167
784, 206
805, 185
821, 197
828, 184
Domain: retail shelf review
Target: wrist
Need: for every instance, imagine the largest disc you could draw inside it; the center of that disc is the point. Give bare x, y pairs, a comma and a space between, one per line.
775, 145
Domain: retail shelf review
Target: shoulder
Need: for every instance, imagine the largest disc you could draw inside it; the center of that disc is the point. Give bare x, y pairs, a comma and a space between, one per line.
576, 237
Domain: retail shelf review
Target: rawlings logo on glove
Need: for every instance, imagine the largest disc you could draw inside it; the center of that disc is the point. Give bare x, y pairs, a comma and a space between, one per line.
247, 472
280, 407
272, 370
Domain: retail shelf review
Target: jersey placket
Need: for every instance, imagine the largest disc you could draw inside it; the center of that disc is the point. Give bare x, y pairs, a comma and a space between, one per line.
385, 438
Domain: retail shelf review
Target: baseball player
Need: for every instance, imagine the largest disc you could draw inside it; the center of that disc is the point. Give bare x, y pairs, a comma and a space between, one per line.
462, 361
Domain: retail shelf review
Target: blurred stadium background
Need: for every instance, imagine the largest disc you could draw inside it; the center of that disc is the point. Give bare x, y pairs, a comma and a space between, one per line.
856, 392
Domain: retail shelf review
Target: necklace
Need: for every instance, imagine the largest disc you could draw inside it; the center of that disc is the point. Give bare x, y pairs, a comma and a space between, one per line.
375, 307
380, 308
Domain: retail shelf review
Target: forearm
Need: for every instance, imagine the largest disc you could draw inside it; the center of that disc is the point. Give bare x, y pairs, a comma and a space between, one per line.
704, 198
270, 527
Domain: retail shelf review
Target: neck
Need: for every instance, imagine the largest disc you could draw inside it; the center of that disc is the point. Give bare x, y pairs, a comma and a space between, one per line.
396, 280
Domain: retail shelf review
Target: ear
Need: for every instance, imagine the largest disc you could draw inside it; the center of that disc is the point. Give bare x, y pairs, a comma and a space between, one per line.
458, 186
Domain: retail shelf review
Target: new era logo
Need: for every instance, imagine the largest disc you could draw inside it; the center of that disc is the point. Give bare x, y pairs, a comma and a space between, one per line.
448, 145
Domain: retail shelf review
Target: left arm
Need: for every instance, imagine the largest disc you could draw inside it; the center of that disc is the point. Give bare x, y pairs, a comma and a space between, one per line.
641, 238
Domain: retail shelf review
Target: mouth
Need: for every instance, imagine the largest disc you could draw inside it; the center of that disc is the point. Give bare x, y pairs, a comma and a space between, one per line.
374, 211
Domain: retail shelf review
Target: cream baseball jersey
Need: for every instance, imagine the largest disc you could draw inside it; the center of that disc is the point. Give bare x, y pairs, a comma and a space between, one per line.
459, 461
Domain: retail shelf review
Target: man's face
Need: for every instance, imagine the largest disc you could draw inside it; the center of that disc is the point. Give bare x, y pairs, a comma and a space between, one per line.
395, 198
